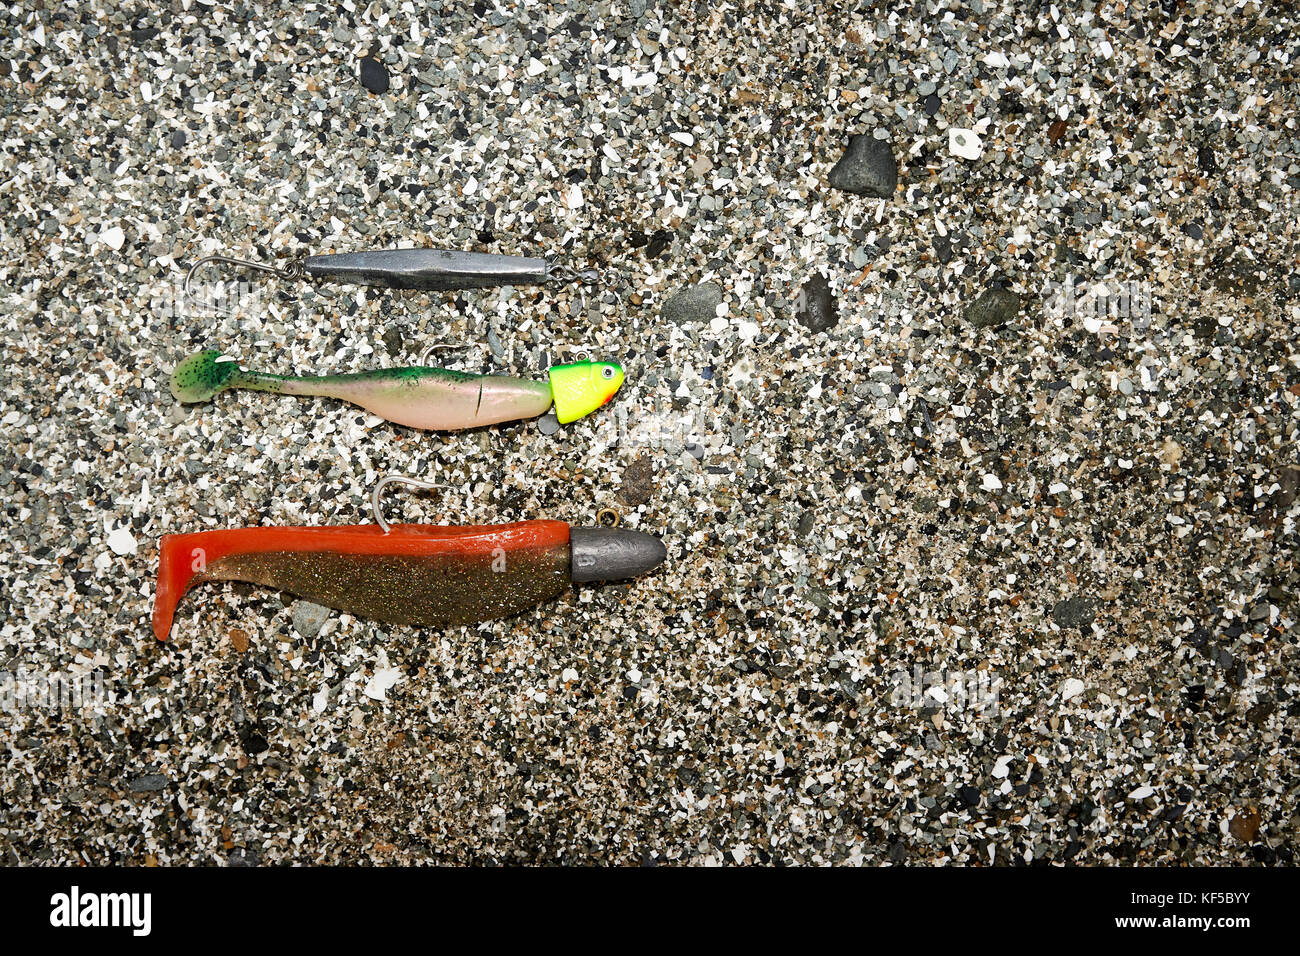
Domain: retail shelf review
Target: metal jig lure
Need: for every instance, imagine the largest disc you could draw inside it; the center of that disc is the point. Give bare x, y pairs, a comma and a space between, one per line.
433, 269
418, 574
421, 397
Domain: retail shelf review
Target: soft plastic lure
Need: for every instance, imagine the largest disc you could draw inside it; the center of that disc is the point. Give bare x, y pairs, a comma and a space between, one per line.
417, 574
433, 269
433, 398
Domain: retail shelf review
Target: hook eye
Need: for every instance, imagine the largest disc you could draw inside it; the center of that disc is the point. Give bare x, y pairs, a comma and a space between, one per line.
293, 270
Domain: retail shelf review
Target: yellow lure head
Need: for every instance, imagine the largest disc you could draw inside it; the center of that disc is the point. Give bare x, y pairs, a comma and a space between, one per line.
581, 388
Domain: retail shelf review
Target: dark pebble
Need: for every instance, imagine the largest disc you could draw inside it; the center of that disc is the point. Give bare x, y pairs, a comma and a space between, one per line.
1288, 482
1193, 229
393, 340
253, 743
1074, 612
943, 249
659, 242
149, 783
932, 104
994, 307
374, 75
867, 168
178, 139
815, 307
1261, 712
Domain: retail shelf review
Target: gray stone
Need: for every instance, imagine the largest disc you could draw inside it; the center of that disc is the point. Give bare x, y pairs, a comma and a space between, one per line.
867, 168
994, 307
149, 783
699, 303
309, 618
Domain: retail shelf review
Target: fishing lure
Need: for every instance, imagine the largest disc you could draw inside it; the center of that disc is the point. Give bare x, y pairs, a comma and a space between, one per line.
432, 269
416, 574
422, 397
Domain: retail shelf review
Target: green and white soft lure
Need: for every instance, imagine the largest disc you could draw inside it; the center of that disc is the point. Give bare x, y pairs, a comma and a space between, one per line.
434, 398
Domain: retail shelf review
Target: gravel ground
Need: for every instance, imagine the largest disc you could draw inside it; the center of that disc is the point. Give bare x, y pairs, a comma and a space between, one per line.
972, 438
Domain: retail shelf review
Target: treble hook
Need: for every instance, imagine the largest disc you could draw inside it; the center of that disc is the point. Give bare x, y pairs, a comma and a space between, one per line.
293, 270
394, 479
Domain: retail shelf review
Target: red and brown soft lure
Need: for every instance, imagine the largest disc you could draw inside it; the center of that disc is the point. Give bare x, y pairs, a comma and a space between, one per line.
420, 574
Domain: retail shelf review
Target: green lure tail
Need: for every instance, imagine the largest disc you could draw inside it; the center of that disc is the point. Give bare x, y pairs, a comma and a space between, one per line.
204, 374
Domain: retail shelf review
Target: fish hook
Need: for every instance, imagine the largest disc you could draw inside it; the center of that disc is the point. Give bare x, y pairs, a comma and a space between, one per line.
424, 356
293, 270
375, 492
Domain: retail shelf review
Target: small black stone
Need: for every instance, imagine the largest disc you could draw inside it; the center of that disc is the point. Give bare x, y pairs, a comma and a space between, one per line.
1193, 229
932, 104
1260, 713
253, 743
660, 241
374, 75
815, 309
867, 167
943, 249
178, 139
1074, 612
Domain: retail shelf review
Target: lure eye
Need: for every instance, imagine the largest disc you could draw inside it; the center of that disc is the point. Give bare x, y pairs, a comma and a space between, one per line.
607, 372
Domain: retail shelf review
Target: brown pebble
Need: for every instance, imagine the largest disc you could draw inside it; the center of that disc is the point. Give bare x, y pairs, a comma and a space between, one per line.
1245, 825
638, 482
239, 639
